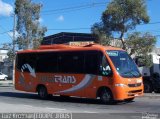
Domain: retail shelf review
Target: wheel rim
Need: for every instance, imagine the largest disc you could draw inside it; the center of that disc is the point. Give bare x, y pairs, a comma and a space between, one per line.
42, 92
106, 97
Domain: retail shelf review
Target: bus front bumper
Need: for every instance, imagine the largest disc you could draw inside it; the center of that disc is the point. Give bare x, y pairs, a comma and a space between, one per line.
124, 92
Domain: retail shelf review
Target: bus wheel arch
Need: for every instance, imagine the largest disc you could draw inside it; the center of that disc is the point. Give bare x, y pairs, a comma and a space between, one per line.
42, 91
105, 95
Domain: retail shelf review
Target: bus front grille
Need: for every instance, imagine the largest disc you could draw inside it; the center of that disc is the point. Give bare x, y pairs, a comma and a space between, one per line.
134, 85
134, 92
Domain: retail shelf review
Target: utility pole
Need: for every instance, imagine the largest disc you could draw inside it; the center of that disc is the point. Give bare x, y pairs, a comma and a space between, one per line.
14, 39
14, 31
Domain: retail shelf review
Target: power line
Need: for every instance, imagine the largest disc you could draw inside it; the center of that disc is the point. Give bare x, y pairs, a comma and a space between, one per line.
90, 28
74, 8
69, 29
5, 32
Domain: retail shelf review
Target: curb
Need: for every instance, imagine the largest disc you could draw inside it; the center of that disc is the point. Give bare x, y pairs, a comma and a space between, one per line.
6, 83
152, 95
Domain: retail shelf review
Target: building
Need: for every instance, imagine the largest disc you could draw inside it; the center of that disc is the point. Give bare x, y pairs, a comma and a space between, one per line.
3, 54
156, 50
66, 37
5, 66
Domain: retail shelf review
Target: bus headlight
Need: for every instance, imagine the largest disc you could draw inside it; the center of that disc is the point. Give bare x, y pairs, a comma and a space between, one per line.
120, 85
139, 80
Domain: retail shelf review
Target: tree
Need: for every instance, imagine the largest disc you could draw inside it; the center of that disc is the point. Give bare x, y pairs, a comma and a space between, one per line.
103, 38
28, 24
123, 15
141, 45
11, 53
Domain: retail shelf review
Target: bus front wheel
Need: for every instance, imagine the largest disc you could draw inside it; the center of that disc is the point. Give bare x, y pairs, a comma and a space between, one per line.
106, 96
42, 92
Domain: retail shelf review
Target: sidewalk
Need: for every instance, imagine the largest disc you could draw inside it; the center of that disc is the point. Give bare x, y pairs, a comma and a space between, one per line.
152, 95
6, 83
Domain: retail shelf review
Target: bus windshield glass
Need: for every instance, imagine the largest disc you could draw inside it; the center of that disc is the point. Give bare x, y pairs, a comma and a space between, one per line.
123, 64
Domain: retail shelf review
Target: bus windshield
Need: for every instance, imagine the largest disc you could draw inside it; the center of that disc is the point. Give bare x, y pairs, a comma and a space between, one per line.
123, 64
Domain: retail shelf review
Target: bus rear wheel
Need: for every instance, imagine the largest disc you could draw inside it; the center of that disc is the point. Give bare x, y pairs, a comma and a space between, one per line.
106, 96
42, 92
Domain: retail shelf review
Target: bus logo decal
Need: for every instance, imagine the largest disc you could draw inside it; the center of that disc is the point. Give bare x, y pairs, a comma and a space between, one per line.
58, 79
65, 79
31, 70
84, 83
22, 82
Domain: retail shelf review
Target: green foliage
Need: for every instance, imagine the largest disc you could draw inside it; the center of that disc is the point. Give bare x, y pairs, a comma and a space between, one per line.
11, 53
103, 38
28, 25
141, 45
145, 60
123, 15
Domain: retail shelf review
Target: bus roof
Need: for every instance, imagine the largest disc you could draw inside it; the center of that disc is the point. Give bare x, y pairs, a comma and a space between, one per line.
63, 47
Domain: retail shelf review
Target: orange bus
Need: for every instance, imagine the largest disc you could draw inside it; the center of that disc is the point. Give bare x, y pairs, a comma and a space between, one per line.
91, 71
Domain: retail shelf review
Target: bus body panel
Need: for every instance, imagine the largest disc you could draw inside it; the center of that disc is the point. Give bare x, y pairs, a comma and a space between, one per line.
82, 85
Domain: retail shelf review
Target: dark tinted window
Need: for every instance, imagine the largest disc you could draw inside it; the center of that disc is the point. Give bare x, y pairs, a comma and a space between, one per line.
71, 62
62, 62
47, 62
92, 62
26, 59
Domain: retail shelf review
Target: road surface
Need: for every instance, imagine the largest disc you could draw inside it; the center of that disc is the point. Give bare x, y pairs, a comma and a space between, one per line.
21, 102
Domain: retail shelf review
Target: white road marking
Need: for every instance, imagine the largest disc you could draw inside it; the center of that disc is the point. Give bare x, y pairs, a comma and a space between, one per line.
45, 107
89, 112
54, 108
28, 106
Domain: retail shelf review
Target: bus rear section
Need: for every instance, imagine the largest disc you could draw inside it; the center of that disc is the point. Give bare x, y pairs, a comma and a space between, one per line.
92, 71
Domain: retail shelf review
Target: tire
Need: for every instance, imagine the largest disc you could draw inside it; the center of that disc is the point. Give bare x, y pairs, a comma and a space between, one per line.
148, 87
106, 96
129, 99
42, 92
64, 96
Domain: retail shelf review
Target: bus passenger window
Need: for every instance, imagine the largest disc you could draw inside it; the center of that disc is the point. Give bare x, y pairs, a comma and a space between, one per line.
92, 62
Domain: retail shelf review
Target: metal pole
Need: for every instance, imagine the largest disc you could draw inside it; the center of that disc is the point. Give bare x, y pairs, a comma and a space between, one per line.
14, 39
14, 32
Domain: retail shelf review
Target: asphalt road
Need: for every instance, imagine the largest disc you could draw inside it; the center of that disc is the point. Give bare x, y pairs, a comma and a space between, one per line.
21, 102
